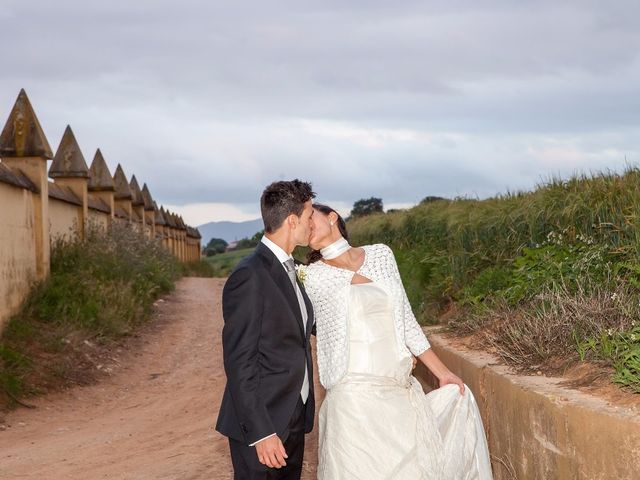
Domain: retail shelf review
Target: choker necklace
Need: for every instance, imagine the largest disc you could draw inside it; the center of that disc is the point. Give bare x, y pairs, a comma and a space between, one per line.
336, 249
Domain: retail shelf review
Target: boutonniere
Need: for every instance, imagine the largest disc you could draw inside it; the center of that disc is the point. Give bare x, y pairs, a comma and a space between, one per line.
301, 271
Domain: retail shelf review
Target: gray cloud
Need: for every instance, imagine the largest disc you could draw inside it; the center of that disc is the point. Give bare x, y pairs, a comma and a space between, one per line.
209, 101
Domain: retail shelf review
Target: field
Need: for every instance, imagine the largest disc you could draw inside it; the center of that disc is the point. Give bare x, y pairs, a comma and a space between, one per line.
224, 263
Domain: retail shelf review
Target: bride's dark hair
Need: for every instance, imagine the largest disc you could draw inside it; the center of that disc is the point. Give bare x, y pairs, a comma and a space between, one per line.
315, 255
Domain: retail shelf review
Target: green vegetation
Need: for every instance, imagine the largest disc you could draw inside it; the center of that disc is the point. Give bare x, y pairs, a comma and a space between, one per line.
215, 246
549, 277
199, 268
223, 263
366, 206
249, 242
99, 290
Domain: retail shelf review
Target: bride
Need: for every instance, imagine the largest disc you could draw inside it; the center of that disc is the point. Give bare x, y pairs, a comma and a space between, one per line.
376, 422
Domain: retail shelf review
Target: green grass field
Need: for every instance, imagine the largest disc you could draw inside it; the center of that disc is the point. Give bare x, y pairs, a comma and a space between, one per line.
224, 263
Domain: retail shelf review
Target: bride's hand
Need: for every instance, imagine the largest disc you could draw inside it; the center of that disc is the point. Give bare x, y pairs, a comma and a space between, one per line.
440, 370
450, 378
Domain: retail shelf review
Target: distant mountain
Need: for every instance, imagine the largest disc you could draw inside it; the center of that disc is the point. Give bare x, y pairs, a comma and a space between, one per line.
230, 231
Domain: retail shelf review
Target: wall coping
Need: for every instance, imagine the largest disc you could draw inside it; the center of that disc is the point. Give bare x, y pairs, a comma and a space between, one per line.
98, 204
16, 178
64, 194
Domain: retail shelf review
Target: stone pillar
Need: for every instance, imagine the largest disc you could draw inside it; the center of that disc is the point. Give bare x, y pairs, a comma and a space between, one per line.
24, 147
69, 169
122, 195
183, 239
172, 241
137, 204
101, 183
160, 225
162, 216
149, 211
174, 235
183, 245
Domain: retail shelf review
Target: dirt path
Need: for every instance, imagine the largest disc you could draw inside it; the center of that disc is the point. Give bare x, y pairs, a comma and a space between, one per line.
153, 418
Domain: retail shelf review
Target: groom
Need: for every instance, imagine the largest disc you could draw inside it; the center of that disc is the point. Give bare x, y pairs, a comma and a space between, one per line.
268, 403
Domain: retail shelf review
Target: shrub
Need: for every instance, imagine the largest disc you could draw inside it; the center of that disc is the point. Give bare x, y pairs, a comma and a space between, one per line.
104, 283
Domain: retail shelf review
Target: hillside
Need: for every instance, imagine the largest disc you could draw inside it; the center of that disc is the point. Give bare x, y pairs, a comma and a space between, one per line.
546, 279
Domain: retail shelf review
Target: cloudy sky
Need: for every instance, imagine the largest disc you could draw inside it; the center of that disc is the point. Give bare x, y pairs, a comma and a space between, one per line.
208, 101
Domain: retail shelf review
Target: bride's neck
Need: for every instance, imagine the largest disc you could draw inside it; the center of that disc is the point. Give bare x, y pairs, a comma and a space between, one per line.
348, 259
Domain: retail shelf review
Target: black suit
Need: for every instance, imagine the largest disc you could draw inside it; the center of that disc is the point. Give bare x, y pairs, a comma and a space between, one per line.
265, 352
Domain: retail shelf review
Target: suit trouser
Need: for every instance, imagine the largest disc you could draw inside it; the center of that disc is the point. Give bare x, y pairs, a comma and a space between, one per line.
245, 459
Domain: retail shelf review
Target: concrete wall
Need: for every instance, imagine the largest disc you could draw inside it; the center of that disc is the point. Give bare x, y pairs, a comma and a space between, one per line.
64, 219
99, 218
538, 429
18, 237
17, 247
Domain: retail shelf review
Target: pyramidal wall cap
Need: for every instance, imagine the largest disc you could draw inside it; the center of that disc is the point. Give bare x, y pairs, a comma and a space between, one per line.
68, 160
136, 193
159, 219
146, 198
22, 135
123, 192
170, 219
100, 178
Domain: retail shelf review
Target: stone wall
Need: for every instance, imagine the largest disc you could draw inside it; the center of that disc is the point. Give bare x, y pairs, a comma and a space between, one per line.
63, 219
17, 241
35, 211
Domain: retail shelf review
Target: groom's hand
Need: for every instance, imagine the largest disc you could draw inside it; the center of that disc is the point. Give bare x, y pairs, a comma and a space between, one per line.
271, 452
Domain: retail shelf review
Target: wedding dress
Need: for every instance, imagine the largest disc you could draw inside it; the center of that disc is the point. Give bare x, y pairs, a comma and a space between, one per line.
377, 423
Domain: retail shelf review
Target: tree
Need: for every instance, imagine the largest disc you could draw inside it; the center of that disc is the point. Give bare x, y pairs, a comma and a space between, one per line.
430, 199
215, 245
367, 206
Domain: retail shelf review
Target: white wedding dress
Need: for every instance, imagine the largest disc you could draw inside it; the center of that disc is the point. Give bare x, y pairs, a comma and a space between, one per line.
377, 423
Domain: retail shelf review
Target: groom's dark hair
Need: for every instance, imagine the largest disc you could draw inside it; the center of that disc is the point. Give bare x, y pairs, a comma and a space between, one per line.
281, 199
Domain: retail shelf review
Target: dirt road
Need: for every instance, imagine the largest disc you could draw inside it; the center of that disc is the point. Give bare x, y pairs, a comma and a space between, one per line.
152, 418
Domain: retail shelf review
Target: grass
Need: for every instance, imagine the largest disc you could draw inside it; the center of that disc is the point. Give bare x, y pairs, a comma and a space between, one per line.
199, 268
544, 276
98, 291
223, 263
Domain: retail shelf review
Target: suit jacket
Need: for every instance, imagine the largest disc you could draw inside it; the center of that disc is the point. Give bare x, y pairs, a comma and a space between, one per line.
265, 350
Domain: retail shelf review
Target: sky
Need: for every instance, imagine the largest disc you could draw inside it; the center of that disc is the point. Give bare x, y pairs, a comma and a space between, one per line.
209, 101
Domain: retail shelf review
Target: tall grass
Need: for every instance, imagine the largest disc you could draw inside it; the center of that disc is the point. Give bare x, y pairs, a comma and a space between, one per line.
567, 238
104, 283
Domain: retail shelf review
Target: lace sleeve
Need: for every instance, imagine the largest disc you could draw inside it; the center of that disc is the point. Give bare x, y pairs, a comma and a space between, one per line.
415, 339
